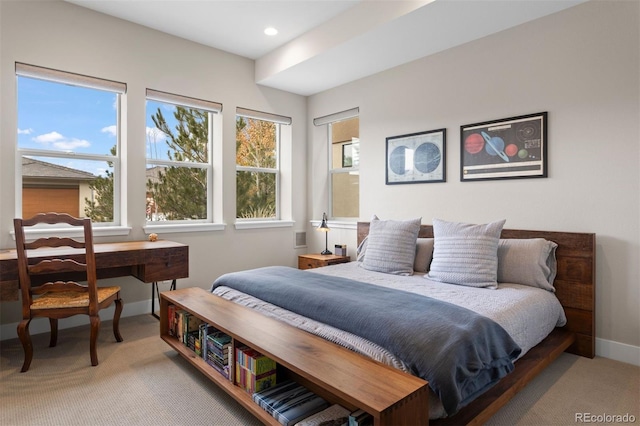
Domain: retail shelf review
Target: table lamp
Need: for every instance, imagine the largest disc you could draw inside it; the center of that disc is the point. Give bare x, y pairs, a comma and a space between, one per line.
325, 228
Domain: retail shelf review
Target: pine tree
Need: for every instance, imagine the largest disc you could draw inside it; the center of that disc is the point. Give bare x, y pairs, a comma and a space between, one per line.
255, 147
180, 193
100, 208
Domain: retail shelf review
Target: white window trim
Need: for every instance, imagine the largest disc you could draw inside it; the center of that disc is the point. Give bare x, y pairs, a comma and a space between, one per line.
215, 121
174, 228
260, 224
74, 79
98, 231
336, 224
277, 222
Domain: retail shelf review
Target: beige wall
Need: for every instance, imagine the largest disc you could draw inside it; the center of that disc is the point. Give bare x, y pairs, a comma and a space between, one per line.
64, 36
580, 65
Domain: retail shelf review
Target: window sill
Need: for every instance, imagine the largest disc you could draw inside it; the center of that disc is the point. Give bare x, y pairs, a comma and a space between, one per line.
151, 228
337, 224
257, 224
98, 231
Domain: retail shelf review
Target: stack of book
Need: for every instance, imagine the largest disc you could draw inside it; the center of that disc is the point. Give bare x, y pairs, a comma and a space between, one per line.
217, 349
289, 402
254, 371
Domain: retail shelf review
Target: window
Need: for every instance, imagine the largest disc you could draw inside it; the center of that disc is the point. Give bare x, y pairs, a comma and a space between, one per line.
68, 144
343, 130
179, 162
258, 138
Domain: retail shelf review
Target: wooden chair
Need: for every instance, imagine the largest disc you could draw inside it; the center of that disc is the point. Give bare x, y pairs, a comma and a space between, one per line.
48, 281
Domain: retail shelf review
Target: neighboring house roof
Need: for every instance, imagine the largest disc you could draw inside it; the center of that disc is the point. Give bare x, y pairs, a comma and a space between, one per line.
40, 169
153, 173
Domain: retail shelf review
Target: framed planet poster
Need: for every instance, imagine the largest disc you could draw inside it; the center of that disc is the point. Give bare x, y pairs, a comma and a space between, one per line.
416, 157
513, 147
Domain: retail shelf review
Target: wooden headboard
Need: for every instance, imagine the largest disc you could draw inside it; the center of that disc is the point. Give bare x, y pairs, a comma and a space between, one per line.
575, 281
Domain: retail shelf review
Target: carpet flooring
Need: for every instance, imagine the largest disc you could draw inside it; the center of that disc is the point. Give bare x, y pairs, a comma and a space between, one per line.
142, 381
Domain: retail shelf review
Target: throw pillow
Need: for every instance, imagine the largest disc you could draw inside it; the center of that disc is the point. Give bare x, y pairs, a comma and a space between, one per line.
466, 254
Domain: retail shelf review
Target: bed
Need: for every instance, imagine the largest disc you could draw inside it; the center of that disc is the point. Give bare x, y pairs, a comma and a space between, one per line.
542, 323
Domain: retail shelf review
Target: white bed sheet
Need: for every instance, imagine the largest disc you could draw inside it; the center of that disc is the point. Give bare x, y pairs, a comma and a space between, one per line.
528, 314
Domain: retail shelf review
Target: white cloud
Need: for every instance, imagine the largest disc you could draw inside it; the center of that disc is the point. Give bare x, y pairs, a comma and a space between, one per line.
25, 131
72, 144
58, 141
110, 129
155, 135
48, 137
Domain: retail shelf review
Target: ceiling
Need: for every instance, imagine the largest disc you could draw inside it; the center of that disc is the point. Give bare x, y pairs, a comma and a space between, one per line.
322, 44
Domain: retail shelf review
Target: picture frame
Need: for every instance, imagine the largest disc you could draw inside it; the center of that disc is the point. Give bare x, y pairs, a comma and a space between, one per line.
509, 148
416, 157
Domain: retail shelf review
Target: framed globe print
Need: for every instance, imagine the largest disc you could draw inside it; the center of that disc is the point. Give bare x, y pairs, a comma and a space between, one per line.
416, 157
508, 148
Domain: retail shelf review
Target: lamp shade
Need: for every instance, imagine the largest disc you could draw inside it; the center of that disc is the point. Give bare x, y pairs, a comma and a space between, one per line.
323, 225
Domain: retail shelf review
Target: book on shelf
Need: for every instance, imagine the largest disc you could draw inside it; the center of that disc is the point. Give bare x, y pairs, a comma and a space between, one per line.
171, 312
336, 415
216, 348
178, 324
289, 402
360, 418
254, 371
190, 324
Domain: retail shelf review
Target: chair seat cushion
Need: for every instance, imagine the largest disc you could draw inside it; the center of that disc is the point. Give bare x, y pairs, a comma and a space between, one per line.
71, 299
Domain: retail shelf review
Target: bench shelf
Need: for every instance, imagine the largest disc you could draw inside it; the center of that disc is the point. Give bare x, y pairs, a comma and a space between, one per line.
338, 375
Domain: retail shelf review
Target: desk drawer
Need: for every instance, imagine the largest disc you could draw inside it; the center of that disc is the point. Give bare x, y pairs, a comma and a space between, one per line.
165, 264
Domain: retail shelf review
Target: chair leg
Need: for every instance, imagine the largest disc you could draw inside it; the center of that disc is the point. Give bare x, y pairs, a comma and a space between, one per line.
95, 328
53, 322
116, 320
25, 339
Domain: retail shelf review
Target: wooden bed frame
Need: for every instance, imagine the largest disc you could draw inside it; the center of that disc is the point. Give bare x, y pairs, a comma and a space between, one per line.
575, 288
347, 378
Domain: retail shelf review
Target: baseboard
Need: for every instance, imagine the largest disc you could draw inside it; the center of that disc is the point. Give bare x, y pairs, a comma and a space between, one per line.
618, 351
41, 325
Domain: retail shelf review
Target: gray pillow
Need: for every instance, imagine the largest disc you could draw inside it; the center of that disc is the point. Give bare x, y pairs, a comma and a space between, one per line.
391, 246
424, 251
529, 261
466, 254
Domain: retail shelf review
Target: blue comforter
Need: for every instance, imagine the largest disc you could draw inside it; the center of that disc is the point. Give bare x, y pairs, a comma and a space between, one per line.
459, 352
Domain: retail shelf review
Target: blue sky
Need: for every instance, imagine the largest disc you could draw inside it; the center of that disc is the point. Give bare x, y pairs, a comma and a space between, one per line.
60, 117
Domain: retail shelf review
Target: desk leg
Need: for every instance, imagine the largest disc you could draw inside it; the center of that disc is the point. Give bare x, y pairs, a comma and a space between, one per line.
154, 290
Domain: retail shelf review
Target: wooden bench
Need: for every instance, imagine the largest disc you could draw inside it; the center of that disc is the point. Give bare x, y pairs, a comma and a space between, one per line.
337, 374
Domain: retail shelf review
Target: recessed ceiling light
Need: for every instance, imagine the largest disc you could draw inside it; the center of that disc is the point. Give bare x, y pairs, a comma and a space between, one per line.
270, 31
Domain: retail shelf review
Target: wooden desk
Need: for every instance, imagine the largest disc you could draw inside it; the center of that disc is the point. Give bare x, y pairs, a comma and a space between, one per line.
148, 261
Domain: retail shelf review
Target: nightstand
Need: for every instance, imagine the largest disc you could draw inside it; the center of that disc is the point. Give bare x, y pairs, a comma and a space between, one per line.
310, 261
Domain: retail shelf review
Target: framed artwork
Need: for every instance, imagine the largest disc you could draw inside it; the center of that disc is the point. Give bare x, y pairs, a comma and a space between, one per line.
509, 148
416, 157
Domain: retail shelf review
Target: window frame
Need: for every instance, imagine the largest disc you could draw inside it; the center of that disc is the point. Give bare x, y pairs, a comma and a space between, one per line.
329, 120
77, 80
279, 121
214, 110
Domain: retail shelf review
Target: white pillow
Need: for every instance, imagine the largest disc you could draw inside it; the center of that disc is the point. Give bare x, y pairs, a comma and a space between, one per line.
391, 246
530, 261
466, 254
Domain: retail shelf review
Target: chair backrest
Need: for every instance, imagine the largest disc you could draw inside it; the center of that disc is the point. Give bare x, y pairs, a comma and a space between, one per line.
60, 268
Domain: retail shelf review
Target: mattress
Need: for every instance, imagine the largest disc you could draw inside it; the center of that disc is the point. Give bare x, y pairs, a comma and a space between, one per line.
528, 314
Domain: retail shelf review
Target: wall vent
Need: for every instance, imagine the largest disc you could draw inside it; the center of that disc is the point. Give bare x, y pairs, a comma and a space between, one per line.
300, 239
